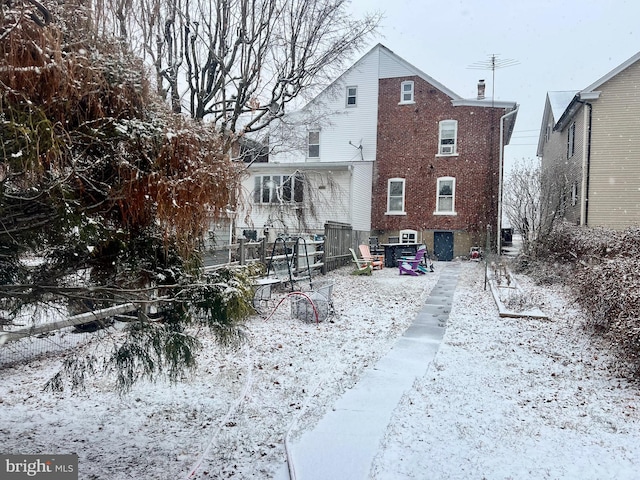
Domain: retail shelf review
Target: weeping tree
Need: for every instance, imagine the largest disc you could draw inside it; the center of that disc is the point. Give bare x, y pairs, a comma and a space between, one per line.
105, 193
293, 200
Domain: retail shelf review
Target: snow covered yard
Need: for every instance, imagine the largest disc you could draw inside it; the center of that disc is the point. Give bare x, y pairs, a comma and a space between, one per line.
230, 418
514, 398
505, 397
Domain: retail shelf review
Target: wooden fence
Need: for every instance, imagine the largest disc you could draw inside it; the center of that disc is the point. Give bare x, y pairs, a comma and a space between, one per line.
324, 254
338, 238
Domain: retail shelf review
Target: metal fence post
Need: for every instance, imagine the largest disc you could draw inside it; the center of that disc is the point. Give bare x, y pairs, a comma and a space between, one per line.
242, 251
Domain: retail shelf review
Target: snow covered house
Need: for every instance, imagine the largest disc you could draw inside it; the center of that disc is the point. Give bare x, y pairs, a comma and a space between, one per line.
385, 148
591, 138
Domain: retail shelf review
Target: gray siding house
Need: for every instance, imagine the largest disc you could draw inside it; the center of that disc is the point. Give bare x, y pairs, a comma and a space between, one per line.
591, 138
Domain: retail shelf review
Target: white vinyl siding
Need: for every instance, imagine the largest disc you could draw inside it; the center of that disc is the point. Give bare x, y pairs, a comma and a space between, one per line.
361, 184
331, 202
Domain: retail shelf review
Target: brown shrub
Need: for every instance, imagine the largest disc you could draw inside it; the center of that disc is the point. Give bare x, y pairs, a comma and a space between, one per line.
605, 276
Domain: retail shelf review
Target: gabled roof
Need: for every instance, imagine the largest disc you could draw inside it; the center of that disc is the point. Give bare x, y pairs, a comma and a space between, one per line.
412, 70
555, 105
417, 72
591, 92
623, 66
380, 50
559, 101
456, 100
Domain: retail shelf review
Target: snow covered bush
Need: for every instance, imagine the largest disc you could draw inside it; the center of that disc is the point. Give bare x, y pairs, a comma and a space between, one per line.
605, 276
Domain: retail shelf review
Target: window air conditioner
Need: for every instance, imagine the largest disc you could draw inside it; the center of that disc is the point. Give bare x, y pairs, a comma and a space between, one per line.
446, 149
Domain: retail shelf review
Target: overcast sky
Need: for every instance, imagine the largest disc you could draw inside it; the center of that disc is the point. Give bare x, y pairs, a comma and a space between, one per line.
558, 45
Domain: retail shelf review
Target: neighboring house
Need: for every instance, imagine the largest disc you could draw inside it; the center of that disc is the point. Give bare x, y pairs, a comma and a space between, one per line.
385, 148
591, 139
438, 168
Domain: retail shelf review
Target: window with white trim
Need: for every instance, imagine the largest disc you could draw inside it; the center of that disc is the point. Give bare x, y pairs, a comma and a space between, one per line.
395, 196
279, 188
571, 140
448, 137
406, 92
352, 96
313, 143
445, 201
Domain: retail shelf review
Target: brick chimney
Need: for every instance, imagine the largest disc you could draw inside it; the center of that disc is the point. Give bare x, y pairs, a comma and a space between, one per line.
481, 87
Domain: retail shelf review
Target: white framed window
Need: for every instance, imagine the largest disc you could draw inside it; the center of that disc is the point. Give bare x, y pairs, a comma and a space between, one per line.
446, 196
406, 92
448, 142
279, 188
395, 196
313, 144
352, 96
571, 140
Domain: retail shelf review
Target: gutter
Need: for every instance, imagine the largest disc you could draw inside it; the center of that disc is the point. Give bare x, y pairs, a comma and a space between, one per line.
499, 232
586, 169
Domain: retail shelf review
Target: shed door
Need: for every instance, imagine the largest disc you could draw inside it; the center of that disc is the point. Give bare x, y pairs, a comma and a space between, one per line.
443, 246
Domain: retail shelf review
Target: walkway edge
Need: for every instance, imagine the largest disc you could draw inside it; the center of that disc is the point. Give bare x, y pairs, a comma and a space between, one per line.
345, 442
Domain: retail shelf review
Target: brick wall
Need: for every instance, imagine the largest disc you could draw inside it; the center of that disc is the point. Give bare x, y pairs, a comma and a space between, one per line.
407, 148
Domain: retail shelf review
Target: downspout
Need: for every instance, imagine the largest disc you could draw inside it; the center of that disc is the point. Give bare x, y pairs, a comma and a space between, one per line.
499, 229
586, 167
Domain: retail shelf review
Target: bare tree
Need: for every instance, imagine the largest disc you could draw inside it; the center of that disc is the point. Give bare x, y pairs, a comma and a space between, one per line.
238, 63
535, 199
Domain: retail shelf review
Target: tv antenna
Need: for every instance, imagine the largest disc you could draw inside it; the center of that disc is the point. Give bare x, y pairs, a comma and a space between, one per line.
359, 147
493, 63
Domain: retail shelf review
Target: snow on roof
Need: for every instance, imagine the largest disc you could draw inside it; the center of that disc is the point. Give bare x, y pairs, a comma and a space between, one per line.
559, 101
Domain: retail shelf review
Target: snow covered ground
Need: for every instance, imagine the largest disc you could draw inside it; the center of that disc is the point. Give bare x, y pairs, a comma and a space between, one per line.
504, 398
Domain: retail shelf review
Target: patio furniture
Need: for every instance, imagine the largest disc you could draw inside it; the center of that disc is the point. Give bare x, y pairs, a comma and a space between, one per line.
412, 266
376, 261
362, 266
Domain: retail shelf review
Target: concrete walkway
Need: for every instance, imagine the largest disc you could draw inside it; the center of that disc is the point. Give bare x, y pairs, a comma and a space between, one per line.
346, 440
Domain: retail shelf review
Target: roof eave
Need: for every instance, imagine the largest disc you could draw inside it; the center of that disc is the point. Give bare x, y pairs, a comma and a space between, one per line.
613, 73
337, 166
573, 107
510, 124
543, 127
485, 103
422, 74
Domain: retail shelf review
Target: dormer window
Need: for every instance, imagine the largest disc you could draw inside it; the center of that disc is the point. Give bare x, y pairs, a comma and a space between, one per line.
352, 96
406, 92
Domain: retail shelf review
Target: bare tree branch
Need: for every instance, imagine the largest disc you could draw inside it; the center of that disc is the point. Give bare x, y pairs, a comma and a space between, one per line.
535, 200
239, 63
